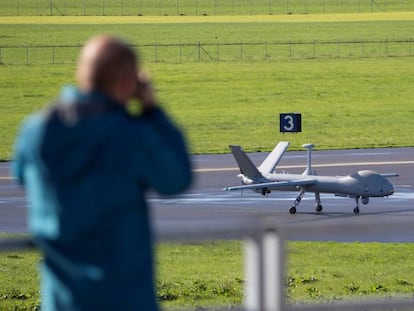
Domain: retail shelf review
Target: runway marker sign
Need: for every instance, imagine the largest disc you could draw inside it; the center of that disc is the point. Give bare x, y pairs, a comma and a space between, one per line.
290, 122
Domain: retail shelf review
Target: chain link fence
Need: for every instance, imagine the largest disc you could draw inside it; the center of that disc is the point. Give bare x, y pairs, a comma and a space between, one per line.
67, 54
196, 7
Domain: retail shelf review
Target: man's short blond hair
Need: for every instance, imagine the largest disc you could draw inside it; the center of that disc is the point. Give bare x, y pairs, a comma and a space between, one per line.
103, 61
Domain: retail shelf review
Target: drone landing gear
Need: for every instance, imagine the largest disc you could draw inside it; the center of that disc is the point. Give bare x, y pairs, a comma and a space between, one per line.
292, 210
319, 207
356, 209
265, 191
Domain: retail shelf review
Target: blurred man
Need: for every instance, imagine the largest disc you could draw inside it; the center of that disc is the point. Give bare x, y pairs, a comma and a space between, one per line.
86, 165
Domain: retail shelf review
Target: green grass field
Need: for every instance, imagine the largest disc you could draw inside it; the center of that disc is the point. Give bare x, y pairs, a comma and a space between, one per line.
195, 7
211, 274
190, 29
344, 103
352, 101
356, 102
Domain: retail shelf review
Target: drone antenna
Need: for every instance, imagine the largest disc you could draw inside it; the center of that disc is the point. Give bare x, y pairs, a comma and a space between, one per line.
308, 170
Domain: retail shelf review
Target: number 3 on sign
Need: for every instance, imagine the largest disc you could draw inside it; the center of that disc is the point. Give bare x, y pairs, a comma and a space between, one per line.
290, 122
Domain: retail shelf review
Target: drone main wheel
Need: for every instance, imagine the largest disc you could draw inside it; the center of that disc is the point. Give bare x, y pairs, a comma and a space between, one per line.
292, 210
319, 208
356, 210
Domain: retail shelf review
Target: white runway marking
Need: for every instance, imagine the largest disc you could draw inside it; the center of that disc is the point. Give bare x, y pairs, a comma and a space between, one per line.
224, 169
227, 198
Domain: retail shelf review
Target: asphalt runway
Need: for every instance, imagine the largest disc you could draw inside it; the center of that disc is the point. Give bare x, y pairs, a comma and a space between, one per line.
207, 202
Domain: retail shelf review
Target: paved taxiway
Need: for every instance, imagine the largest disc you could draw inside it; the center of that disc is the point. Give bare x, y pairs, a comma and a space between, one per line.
385, 219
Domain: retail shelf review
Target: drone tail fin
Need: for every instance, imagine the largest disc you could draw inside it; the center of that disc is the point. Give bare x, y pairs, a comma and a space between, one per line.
246, 166
273, 159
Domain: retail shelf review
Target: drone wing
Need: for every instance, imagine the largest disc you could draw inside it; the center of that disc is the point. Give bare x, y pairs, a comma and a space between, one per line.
274, 185
390, 175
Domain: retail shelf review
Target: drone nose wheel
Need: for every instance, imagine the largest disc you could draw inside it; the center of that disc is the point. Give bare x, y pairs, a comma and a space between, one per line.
356, 209
292, 210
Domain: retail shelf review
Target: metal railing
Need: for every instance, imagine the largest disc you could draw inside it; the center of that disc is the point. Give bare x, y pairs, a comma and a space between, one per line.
197, 52
264, 243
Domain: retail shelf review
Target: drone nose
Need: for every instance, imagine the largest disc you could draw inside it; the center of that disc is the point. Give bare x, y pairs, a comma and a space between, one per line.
390, 188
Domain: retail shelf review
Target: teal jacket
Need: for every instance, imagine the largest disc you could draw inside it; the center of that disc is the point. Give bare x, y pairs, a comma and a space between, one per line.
86, 166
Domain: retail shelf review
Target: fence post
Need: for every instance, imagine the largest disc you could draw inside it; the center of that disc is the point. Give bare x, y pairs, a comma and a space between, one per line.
264, 256
339, 49
53, 55
155, 52
386, 47
241, 51
199, 51
254, 274
274, 270
27, 55
362, 49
